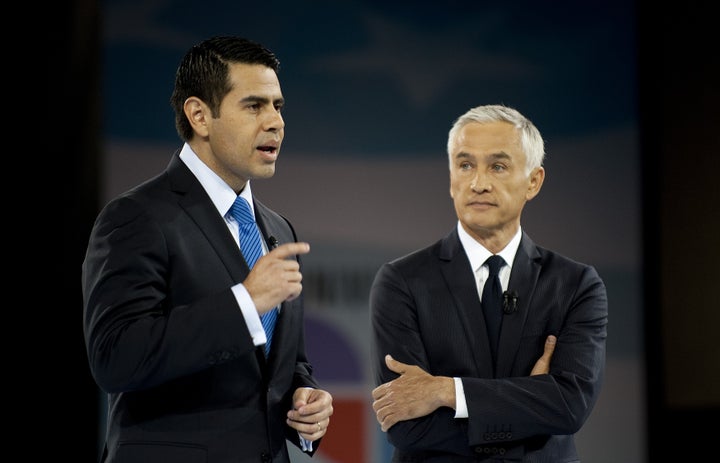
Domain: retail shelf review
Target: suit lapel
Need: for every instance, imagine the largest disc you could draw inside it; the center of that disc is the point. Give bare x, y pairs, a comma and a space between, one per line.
198, 205
271, 224
525, 272
460, 280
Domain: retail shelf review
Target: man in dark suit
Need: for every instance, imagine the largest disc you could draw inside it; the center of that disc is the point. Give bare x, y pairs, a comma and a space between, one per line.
443, 394
172, 310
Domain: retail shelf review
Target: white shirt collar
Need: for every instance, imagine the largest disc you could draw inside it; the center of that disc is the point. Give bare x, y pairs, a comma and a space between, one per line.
478, 254
220, 192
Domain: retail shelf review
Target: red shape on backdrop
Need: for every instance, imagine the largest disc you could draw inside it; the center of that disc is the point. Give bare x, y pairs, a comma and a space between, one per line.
346, 439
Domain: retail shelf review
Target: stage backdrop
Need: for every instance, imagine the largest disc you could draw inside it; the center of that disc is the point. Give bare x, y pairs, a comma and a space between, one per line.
372, 88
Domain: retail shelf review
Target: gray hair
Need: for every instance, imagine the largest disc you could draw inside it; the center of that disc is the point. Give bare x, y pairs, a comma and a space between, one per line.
531, 141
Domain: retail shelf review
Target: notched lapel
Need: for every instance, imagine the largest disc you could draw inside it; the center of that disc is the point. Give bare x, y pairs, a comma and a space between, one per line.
523, 279
195, 201
215, 229
460, 280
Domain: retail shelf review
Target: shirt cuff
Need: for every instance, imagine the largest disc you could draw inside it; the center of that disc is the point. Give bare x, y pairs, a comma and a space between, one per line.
305, 444
461, 410
252, 318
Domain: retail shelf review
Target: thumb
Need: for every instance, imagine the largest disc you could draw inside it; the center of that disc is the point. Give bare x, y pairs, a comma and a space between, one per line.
393, 364
549, 345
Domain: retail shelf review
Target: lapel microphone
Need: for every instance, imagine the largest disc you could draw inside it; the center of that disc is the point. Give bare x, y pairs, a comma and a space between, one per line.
510, 299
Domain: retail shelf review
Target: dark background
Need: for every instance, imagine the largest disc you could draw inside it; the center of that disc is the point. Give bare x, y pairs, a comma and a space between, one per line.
676, 96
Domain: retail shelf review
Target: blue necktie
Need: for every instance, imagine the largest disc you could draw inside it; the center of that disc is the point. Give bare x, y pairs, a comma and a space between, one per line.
251, 247
492, 302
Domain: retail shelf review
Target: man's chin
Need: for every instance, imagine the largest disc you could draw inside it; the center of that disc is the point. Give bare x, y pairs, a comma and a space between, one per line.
266, 171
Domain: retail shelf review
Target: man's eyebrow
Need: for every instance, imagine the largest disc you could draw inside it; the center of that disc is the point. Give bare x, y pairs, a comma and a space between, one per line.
493, 156
500, 155
262, 100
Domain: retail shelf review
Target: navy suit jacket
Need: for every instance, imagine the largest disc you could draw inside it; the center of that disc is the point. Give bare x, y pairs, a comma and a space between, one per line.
167, 341
425, 310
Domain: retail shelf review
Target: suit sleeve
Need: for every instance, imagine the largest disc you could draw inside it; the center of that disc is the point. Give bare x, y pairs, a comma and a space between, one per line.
394, 321
137, 333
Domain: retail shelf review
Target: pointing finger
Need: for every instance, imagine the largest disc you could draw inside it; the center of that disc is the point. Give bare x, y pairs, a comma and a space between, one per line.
290, 249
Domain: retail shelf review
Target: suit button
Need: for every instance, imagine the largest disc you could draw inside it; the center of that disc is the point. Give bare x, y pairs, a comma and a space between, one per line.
265, 457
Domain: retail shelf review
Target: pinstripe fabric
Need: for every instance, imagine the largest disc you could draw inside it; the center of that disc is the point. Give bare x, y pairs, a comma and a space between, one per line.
251, 247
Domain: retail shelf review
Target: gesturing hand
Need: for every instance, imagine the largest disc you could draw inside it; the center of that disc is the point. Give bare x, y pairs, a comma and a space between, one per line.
274, 278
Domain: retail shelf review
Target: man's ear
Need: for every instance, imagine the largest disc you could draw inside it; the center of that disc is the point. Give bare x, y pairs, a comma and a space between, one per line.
537, 177
198, 113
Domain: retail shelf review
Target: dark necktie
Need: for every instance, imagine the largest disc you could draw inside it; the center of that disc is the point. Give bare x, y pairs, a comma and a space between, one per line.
492, 302
251, 247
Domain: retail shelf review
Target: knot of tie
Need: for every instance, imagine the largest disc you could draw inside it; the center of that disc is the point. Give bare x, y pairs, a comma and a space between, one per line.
495, 263
240, 210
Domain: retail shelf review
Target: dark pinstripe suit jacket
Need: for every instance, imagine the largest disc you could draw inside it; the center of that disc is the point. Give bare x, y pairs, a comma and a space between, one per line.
167, 341
425, 310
